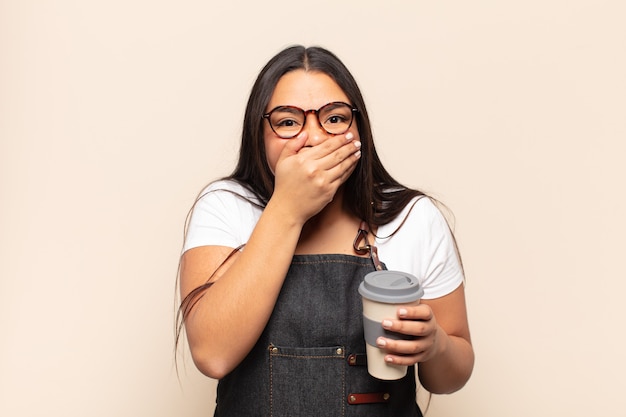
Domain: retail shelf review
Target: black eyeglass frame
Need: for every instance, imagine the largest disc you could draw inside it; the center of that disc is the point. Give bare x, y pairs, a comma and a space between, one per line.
306, 113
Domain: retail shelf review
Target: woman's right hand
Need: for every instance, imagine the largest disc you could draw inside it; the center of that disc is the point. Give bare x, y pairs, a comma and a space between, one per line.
221, 333
307, 177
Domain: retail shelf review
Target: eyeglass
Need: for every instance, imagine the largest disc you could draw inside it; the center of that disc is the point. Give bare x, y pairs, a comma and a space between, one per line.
288, 121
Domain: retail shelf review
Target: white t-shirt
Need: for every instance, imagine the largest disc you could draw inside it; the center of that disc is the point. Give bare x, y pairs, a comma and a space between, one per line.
423, 246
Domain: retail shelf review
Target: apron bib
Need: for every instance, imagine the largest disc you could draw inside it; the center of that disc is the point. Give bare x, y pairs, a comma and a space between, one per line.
310, 359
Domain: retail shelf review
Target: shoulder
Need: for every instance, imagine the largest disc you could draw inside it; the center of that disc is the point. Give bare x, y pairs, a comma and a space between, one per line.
419, 241
224, 214
226, 196
419, 214
226, 187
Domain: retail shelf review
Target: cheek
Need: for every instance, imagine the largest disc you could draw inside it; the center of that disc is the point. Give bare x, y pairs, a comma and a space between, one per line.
273, 148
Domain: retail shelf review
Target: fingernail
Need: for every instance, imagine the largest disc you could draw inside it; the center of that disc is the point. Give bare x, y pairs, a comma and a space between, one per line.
357, 144
388, 359
380, 342
349, 136
402, 312
357, 154
387, 324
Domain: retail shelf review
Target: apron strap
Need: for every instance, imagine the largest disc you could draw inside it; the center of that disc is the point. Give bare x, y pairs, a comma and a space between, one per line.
366, 247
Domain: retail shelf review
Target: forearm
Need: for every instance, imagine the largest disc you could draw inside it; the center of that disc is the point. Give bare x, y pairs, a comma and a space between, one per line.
227, 321
450, 369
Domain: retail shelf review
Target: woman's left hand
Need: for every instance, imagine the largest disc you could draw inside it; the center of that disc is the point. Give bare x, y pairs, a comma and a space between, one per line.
442, 345
418, 321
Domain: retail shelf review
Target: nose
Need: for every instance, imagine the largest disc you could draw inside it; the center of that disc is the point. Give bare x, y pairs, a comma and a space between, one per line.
316, 134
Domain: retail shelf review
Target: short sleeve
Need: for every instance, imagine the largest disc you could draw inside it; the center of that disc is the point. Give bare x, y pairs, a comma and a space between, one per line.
223, 215
423, 246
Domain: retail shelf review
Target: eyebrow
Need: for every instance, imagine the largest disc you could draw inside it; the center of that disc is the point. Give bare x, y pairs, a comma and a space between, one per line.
293, 109
333, 105
287, 108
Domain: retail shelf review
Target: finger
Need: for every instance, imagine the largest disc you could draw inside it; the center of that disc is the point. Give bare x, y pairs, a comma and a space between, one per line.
342, 158
406, 360
293, 146
419, 312
340, 173
401, 352
328, 148
405, 347
417, 328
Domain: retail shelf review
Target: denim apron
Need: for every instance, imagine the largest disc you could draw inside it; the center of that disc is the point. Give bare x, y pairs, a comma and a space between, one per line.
310, 359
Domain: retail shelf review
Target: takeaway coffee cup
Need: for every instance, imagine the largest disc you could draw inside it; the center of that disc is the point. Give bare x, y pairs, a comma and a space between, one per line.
383, 292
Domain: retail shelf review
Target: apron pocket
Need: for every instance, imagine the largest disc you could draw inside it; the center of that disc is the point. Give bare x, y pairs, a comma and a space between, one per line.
307, 380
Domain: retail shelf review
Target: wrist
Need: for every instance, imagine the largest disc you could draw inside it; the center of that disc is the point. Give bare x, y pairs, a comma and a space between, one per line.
288, 217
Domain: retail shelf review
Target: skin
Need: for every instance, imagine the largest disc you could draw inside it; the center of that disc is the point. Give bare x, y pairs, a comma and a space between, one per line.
305, 216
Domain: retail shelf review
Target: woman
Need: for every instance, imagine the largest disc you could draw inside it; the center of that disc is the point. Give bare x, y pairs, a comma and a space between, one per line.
275, 252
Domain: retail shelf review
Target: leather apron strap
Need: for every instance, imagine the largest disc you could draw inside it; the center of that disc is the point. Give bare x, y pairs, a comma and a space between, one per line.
362, 245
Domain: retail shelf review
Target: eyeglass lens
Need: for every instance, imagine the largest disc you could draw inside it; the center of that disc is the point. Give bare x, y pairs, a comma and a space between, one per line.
288, 121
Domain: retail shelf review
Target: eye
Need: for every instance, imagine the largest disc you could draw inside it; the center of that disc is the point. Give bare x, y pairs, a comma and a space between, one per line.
336, 114
285, 122
336, 118
286, 118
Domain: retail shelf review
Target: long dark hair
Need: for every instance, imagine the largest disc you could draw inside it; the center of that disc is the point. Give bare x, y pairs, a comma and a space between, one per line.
370, 193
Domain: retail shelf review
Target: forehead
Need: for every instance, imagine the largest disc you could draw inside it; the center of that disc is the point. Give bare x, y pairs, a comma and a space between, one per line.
307, 90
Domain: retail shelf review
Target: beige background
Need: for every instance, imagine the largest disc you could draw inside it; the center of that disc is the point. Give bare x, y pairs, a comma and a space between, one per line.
113, 114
